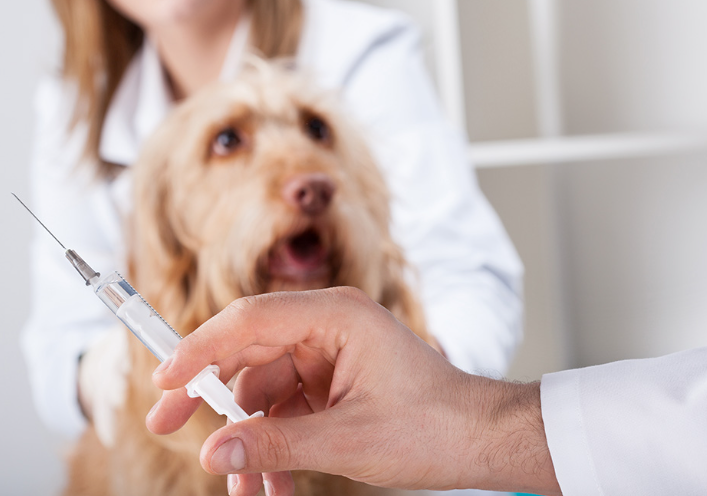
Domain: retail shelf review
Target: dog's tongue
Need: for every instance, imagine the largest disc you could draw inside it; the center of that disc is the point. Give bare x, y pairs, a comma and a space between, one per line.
300, 257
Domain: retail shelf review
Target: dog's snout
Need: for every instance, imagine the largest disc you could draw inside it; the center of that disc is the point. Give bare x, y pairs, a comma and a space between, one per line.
311, 193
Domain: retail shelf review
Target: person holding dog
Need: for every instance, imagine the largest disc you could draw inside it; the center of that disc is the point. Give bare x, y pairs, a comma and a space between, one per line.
342, 406
126, 63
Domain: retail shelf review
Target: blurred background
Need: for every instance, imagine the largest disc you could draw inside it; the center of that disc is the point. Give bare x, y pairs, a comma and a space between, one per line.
587, 125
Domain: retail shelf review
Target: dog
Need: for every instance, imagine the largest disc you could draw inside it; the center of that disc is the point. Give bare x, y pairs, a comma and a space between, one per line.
255, 186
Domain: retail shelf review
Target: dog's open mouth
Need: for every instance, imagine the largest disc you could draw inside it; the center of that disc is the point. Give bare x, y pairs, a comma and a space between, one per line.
300, 257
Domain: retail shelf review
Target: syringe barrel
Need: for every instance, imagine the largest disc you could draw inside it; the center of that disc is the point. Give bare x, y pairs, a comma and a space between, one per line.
142, 320
159, 337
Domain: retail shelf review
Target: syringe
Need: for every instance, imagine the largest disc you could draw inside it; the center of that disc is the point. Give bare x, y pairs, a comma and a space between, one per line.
152, 330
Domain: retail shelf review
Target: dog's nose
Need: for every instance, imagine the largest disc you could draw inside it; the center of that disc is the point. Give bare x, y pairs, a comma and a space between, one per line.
311, 193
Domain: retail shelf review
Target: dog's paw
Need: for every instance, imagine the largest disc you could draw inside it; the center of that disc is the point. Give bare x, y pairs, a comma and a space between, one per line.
103, 382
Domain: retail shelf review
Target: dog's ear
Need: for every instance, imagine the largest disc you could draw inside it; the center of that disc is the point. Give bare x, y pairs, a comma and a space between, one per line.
161, 266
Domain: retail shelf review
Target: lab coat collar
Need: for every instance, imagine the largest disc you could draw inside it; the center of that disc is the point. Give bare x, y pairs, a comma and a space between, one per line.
143, 98
141, 101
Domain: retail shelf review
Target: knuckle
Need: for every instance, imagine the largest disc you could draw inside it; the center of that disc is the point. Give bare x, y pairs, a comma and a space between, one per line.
349, 293
240, 312
242, 307
273, 449
355, 300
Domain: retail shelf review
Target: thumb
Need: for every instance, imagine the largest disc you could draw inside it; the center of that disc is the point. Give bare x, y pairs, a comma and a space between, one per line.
271, 445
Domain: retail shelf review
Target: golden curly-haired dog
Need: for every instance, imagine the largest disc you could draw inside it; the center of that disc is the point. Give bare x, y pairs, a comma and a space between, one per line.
249, 187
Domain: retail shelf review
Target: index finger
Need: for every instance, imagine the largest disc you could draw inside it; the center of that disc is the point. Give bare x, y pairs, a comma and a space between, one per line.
264, 322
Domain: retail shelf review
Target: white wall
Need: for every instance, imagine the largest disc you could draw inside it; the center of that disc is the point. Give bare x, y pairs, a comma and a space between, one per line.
29, 454
634, 233
498, 82
615, 253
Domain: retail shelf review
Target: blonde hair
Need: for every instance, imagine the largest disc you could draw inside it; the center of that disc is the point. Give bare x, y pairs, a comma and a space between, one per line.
100, 42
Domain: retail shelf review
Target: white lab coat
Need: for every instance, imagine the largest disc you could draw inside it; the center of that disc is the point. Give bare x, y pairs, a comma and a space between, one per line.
631, 427
470, 276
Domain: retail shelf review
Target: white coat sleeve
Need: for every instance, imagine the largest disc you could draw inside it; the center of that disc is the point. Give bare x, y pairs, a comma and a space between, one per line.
470, 277
629, 427
66, 318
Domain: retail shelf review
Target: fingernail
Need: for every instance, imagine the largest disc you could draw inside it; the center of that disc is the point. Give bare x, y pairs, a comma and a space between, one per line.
269, 491
163, 366
229, 457
232, 483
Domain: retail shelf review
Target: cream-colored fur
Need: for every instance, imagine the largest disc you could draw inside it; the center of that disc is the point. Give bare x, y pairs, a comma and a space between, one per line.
211, 226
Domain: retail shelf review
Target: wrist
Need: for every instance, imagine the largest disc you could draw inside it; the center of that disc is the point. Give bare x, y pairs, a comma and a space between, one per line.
510, 451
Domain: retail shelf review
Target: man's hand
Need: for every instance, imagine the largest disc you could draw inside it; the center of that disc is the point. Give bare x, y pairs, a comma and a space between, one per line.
351, 391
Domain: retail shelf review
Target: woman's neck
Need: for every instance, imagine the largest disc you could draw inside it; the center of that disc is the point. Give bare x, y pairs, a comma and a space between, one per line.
193, 51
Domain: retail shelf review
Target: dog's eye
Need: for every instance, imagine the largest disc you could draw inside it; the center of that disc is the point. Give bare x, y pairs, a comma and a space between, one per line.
316, 129
226, 142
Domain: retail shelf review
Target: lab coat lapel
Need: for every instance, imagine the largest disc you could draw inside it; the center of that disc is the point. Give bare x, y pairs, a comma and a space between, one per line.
139, 104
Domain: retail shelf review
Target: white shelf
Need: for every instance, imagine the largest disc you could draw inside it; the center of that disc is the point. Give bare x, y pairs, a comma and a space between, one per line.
567, 149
